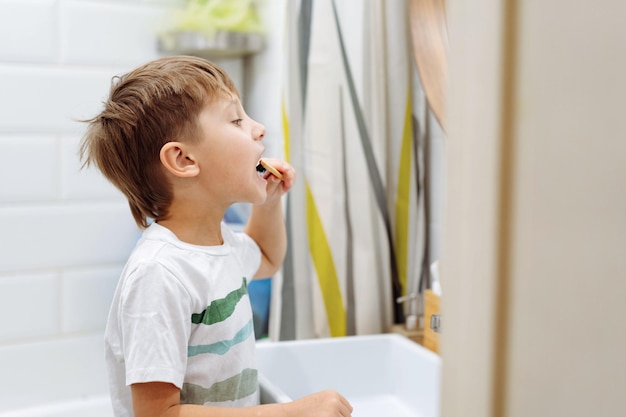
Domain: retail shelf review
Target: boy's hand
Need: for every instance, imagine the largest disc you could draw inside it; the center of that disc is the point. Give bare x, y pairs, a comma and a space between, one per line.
275, 186
266, 224
321, 404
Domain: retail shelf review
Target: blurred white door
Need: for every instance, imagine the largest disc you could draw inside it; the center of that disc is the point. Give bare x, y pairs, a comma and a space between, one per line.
534, 270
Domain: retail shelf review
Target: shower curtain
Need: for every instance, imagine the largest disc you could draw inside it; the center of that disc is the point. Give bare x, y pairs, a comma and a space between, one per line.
351, 111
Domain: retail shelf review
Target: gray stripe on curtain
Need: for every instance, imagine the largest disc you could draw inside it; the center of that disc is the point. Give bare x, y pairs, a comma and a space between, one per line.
350, 311
374, 174
304, 45
288, 293
288, 308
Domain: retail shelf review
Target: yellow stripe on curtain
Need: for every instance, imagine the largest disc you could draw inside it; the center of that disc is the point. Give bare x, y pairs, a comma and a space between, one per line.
325, 268
403, 197
283, 109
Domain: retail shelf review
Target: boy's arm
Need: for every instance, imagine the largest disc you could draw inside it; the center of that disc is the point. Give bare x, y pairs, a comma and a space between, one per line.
160, 399
266, 224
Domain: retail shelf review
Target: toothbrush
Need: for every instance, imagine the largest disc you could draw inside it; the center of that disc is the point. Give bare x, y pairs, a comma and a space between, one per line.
264, 166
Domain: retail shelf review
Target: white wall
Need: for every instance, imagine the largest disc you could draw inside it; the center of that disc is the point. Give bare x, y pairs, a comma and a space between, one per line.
64, 233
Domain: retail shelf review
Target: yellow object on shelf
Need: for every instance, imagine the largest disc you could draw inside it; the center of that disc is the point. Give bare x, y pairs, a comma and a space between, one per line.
431, 308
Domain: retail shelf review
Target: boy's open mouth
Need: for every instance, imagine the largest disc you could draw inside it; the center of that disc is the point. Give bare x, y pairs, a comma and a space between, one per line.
260, 170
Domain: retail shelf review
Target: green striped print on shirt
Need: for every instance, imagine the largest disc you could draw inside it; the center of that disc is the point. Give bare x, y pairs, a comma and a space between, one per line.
230, 389
221, 347
221, 308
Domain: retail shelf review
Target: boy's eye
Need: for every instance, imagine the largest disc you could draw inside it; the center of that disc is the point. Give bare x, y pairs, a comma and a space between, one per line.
237, 122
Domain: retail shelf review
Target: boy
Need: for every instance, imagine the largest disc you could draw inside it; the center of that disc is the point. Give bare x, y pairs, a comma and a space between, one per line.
174, 138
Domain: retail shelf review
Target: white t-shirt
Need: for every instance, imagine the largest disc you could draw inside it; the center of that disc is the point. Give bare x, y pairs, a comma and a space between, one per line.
181, 314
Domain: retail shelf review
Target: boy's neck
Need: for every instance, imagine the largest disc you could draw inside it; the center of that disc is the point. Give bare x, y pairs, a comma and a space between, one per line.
196, 231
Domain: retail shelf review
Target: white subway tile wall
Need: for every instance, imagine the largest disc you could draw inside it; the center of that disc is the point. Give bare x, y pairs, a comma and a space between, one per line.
65, 233
58, 370
100, 35
84, 290
51, 98
34, 315
29, 31
31, 158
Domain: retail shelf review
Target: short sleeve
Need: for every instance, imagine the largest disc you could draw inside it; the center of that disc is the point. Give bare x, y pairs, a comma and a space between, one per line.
155, 325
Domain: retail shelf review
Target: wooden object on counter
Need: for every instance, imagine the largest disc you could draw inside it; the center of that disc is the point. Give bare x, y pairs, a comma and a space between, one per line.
431, 306
416, 335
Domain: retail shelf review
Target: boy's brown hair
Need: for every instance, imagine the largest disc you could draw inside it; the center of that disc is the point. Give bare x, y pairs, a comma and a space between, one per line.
156, 103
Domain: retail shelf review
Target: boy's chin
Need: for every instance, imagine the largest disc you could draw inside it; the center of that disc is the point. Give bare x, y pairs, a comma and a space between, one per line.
260, 199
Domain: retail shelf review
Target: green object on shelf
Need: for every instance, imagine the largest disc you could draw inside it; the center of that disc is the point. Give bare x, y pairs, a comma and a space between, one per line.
211, 16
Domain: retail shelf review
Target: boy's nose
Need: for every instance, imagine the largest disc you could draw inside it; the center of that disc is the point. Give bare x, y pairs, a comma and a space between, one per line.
258, 132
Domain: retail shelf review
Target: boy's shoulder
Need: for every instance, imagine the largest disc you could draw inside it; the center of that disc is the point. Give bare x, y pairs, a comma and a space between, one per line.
158, 246
158, 242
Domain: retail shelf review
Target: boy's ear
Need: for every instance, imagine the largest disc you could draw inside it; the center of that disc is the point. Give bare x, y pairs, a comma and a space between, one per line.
178, 161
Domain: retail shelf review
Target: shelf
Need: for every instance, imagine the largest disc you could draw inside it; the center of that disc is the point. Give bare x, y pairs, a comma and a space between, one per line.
223, 44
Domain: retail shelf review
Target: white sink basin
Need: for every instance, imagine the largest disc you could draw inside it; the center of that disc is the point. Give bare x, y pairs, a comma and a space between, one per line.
381, 375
